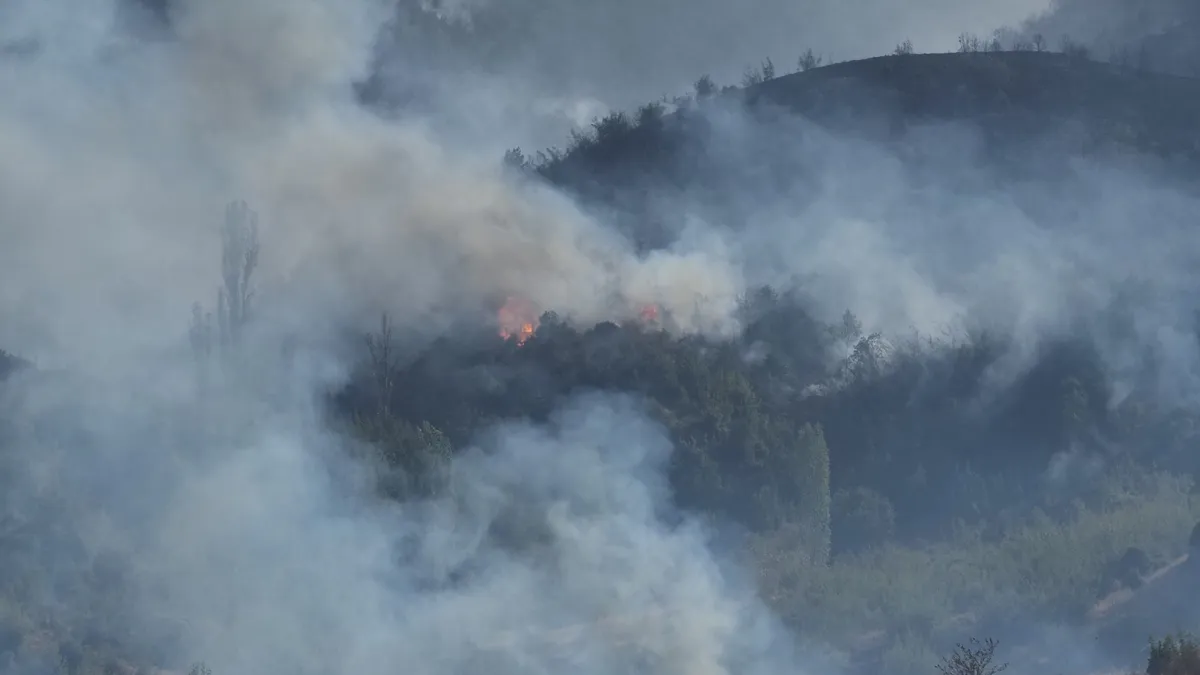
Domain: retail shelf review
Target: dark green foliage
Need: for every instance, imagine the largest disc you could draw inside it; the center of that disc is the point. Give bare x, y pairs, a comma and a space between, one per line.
862, 518
612, 127
649, 115
769, 426
736, 452
413, 458
1174, 655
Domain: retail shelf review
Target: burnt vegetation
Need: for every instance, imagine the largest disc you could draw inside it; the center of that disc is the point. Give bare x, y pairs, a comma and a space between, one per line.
882, 484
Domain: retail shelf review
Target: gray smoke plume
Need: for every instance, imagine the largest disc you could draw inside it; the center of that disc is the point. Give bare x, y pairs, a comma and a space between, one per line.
119, 155
242, 534
248, 539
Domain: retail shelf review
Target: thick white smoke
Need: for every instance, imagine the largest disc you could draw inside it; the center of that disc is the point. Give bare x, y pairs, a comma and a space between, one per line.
119, 155
250, 541
273, 568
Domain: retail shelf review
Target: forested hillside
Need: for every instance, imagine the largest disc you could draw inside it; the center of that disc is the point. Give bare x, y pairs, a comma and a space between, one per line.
987, 428
904, 457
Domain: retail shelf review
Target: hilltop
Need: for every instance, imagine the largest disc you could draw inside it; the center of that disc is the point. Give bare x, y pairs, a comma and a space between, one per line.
1031, 110
990, 87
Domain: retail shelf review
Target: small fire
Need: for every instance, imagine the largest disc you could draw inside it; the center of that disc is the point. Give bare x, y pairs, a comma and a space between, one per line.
517, 319
649, 313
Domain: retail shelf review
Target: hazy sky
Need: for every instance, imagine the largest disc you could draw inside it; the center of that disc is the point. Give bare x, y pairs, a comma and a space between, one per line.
626, 52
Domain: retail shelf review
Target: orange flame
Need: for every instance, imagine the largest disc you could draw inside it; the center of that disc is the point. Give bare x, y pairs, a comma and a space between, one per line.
517, 319
649, 313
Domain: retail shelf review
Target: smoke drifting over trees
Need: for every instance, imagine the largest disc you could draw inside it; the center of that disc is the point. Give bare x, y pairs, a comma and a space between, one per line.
826, 373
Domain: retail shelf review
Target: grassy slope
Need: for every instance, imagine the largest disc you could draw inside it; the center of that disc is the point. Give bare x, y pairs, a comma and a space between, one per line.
909, 604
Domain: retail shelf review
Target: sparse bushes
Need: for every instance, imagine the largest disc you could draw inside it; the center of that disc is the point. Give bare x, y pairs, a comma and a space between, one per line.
808, 61
968, 43
768, 70
974, 658
764, 73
